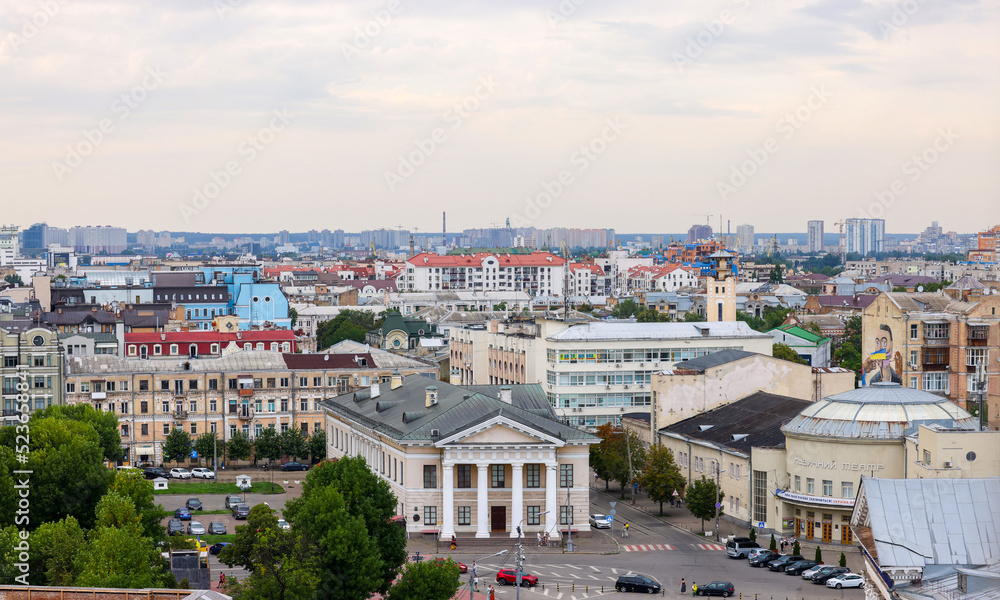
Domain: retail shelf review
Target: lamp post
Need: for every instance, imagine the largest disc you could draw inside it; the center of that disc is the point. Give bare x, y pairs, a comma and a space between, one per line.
520, 556
472, 576
628, 450
718, 494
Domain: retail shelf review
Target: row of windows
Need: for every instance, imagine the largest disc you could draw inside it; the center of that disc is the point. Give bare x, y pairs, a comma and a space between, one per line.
204, 313
169, 297
498, 474
174, 349
602, 378
639, 355
178, 385
144, 428
611, 399
36, 360
846, 487
463, 515
213, 407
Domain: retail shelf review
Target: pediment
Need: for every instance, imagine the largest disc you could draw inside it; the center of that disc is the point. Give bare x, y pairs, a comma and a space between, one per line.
501, 431
500, 434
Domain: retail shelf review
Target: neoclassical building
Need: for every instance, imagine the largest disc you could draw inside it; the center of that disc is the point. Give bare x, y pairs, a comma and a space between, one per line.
472, 461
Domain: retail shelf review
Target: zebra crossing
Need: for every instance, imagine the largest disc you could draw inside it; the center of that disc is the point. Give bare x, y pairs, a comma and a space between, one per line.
709, 546
647, 547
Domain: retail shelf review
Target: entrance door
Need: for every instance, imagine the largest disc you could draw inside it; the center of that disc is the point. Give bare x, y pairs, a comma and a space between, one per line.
846, 535
498, 518
798, 526
810, 529
827, 532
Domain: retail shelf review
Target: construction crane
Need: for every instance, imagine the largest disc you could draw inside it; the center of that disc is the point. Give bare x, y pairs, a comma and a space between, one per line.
843, 255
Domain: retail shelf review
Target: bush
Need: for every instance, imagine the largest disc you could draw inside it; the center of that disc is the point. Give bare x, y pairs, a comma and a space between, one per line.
796, 549
819, 555
753, 534
843, 560
774, 544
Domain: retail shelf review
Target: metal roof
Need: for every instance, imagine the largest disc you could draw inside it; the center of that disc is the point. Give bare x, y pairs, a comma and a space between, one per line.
878, 411
920, 522
606, 330
722, 357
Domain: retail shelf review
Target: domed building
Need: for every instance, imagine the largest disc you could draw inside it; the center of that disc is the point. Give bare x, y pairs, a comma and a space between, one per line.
831, 443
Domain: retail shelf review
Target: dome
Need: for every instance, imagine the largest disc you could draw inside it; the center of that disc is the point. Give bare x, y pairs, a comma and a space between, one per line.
880, 411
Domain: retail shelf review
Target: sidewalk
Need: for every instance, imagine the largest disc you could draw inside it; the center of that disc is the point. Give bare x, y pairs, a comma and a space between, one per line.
595, 543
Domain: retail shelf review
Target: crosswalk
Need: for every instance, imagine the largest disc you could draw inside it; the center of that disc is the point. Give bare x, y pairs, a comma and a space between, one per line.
709, 546
647, 547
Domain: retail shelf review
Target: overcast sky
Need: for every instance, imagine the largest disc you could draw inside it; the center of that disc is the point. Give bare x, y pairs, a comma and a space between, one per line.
636, 115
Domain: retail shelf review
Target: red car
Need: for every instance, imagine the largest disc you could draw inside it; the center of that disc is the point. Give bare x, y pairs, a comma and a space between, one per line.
509, 577
461, 567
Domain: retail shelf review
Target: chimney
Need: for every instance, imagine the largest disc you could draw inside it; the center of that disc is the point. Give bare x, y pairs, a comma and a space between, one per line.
431, 396
505, 395
396, 380
375, 392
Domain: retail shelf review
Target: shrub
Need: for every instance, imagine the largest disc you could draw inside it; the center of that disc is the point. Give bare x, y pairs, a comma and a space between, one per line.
753, 534
796, 549
819, 555
774, 544
843, 560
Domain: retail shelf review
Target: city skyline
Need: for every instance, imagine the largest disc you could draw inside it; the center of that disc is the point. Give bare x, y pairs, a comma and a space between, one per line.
237, 115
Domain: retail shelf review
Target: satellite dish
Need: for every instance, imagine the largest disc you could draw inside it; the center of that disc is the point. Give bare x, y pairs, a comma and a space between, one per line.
920, 288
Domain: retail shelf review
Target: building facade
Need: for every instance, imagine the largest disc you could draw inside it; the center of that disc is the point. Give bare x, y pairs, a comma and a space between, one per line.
865, 236
815, 236
33, 367
537, 274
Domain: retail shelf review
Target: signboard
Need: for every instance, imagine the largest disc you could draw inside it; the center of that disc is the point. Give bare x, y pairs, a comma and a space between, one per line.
194, 454
821, 500
761, 524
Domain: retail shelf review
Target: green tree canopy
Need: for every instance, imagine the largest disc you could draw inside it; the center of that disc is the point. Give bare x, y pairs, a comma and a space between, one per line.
206, 444
122, 558
238, 446
139, 491
347, 325
701, 498
293, 443
650, 315
661, 475
13, 279
56, 546
177, 447
428, 580
104, 423
784, 352
282, 564
693, 317
612, 455
267, 445
317, 445
625, 309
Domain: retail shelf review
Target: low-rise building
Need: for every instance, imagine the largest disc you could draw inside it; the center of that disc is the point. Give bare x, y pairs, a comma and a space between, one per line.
195, 344
814, 348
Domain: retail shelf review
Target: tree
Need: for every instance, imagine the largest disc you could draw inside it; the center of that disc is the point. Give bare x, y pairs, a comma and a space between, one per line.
139, 491
294, 314
796, 549
661, 475
9, 539
55, 547
121, 558
104, 423
775, 276
428, 580
693, 317
813, 326
819, 555
701, 498
784, 352
238, 446
177, 446
207, 445
282, 564
361, 549
774, 544
14, 279
500, 306
612, 461
650, 315
625, 309
267, 445
843, 559
348, 324
293, 443
848, 354
753, 534
317, 445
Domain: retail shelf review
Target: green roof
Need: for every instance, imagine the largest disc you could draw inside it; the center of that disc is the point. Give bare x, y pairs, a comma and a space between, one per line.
805, 334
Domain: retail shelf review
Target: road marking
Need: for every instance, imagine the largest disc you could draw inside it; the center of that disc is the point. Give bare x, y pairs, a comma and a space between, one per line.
615, 571
574, 567
596, 570
648, 547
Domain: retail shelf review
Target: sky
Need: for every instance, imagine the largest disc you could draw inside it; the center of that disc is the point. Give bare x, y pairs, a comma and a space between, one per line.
643, 116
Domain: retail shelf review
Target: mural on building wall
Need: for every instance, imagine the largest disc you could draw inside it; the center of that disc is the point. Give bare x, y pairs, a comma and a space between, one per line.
884, 363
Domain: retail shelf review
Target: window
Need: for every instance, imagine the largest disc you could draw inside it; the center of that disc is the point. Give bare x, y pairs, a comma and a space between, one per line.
534, 515
194, 428
213, 406
166, 429
927, 457
464, 476
304, 405
270, 382
215, 349
465, 515
759, 495
936, 382
914, 331
846, 489
913, 383
144, 428
144, 407
157, 350
70, 388
534, 475
938, 331
193, 406
193, 384
143, 385
38, 361
173, 349
213, 384
914, 358
430, 476
258, 383
283, 382
565, 515
497, 473
284, 405
810, 485
430, 515
165, 407
303, 382
565, 476
231, 384
164, 385
975, 356
827, 487
798, 483
317, 382
123, 385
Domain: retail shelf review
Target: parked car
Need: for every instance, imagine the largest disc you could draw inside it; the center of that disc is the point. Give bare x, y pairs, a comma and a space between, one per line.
762, 558
846, 580
154, 472
202, 546
812, 571
462, 568
509, 577
183, 514
294, 466
241, 511
179, 473
175, 526
283, 524
216, 528
233, 500
823, 575
202, 473
737, 540
781, 562
217, 548
799, 567
600, 521
196, 528
637, 583
717, 588
755, 551
740, 549
194, 504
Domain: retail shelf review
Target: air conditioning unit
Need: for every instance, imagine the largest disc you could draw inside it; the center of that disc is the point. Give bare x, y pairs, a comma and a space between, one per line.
607, 387
642, 364
642, 386
948, 464
618, 365
626, 386
622, 409
913, 366
656, 364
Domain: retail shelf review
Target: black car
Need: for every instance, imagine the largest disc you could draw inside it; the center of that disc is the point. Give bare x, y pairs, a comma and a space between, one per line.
823, 574
194, 504
175, 526
294, 466
763, 558
216, 528
637, 583
800, 567
780, 563
717, 588
241, 511
154, 472
217, 548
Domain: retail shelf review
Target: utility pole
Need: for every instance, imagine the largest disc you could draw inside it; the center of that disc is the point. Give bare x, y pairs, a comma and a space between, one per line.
718, 495
520, 563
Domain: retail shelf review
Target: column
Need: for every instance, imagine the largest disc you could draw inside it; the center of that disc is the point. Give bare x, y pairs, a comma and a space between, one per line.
551, 488
482, 504
448, 501
517, 498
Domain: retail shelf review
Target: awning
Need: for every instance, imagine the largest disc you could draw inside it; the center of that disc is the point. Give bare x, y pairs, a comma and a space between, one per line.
147, 449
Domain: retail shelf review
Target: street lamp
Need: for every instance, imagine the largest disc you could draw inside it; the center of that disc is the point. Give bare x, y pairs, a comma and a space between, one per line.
628, 450
718, 495
472, 575
520, 557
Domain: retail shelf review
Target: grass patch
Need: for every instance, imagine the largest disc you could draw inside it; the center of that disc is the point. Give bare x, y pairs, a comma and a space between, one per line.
194, 488
215, 539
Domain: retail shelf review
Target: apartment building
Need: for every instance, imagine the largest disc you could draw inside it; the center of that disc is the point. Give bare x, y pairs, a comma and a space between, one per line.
865, 236
592, 372
244, 391
537, 274
195, 344
986, 246
938, 345
32, 361
815, 236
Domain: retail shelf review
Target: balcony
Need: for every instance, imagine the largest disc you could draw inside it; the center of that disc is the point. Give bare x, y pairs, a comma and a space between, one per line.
246, 391
98, 395
244, 413
180, 414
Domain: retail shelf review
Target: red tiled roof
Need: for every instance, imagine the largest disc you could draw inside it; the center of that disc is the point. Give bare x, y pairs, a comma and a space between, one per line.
179, 337
535, 259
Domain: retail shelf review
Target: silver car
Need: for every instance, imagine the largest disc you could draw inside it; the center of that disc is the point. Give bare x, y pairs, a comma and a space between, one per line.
196, 528
600, 521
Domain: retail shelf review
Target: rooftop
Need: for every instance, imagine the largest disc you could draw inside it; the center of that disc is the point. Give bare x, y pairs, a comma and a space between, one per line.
607, 330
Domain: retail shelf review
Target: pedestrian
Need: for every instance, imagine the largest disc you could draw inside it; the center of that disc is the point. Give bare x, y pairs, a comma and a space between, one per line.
454, 543
625, 529
782, 545
475, 583
684, 586
635, 487
539, 534
474, 574
222, 579
694, 589
490, 592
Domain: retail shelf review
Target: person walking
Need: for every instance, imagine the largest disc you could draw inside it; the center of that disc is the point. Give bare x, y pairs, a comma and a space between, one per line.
475, 583
539, 534
474, 573
694, 589
490, 592
782, 545
454, 543
222, 579
684, 586
625, 529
